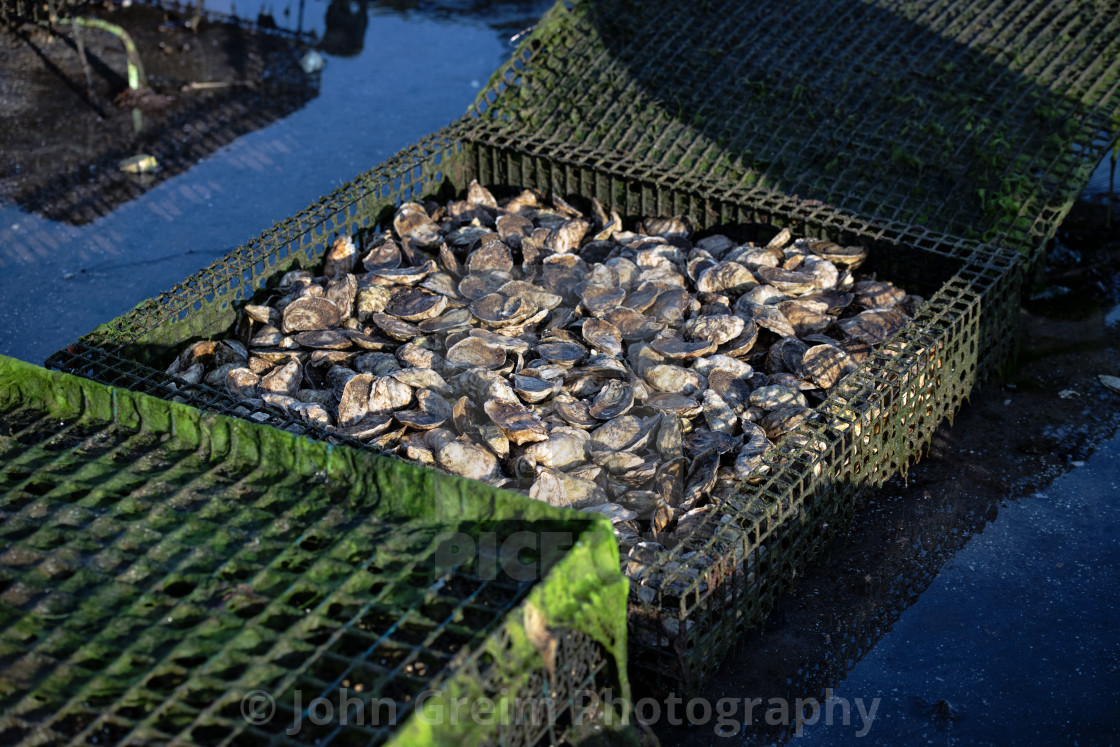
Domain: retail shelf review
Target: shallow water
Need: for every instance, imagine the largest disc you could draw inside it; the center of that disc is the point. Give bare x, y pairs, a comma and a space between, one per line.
1097, 188
1017, 634
419, 68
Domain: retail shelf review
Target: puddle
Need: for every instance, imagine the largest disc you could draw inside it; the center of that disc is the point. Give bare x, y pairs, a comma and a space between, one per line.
1097, 188
1112, 317
1015, 642
418, 68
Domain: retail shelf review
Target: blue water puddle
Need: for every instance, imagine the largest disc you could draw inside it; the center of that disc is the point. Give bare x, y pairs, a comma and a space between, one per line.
1103, 175
1112, 317
1018, 636
416, 72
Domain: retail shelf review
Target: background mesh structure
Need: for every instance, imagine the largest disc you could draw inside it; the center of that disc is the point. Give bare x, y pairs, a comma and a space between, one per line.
687, 607
157, 564
980, 119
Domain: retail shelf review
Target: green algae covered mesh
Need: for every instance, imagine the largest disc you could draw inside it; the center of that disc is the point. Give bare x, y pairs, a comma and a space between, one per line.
687, 605
979, 119
167, 574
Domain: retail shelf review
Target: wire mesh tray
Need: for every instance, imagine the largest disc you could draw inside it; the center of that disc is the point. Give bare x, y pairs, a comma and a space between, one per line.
685, 607
979, 118
167, 574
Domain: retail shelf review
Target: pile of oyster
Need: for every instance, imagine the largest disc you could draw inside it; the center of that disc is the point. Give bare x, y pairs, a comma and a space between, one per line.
524, 343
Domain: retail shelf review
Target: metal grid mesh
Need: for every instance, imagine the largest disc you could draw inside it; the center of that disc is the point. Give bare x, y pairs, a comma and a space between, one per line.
146, 586
882, 416
980, 119
686, 608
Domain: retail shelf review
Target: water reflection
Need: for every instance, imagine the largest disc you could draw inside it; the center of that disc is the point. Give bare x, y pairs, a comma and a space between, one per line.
346, 23
210, 85
339, 23
416, 72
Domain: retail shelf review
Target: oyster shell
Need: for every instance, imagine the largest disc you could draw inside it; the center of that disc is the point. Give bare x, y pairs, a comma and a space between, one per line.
718, 328
874, 326
520, 424
242, 382
613, 400
310, 313
467, 459
825, 365
353, 405
284, 379
415, 305
472, 352
411, 221
341, 258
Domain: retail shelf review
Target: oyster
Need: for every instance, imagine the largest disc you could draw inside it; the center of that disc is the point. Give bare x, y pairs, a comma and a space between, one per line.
616, 434
564, 447
467, 460
567, 491
775, 396
781, 421
681, 349
353, 405
850, 256
492, 255
614, 399
310, 313
283, 379
574, 412
412, 222
520, 424
341, 258
875, 294
601, 334
472, 352
874, 326
395, 328
825, 365
415, 305
386, 256
242, 382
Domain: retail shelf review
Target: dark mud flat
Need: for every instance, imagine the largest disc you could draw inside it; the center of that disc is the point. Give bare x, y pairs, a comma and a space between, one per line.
1011, 439
62, 141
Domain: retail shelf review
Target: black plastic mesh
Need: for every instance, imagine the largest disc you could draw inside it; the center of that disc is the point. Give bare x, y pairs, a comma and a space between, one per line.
978, 119
147, 584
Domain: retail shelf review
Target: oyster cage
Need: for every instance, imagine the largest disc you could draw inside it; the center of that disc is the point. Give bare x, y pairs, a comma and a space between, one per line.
686, 605
981, 119
172, 575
